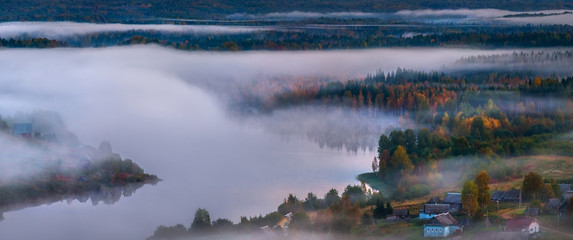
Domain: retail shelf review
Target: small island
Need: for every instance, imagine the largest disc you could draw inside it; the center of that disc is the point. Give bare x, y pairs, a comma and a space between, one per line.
51, 165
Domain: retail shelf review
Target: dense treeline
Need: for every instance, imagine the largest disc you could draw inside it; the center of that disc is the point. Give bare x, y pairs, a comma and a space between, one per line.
294, 38
126, 10
307, 41
31, 43
291, 36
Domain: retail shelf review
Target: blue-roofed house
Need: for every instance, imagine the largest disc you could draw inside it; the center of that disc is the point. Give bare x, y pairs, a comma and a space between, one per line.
22, 129
442, 225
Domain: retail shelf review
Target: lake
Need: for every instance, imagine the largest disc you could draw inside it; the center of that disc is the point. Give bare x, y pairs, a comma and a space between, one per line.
168, 111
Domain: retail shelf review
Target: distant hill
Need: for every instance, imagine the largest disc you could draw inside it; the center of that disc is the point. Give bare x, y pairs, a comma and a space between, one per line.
136, 10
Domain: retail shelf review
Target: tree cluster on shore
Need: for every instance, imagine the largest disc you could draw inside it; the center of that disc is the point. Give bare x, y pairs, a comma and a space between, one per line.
333, 214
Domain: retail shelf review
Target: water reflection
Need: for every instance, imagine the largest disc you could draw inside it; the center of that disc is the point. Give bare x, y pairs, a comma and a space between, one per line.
104, 194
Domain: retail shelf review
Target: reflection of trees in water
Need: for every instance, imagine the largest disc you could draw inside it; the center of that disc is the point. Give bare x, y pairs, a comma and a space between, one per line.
334, 128
104, 194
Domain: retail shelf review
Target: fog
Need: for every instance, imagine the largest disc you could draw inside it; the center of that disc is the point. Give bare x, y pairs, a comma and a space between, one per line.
169, 111
431, 15
61, 30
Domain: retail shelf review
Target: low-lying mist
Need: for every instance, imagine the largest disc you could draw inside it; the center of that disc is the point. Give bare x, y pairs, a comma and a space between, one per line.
62, 30
149, 81
428, 15
173, 113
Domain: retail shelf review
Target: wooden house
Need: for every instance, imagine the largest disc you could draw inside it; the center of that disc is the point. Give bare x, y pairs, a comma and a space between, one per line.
454, 200
528, 225
441, 225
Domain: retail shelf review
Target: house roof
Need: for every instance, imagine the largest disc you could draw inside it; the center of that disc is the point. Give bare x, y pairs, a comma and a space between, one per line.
22, 128
553, 203
444, 219
453, 198
517, 224
436, 208
401, 212
497, 195
511, 195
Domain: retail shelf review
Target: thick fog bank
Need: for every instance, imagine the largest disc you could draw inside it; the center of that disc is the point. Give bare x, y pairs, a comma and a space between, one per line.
168, 111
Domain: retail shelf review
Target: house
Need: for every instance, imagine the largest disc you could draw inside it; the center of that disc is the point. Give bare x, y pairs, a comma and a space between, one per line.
522, 224
22, 129
553, 205
442, 225
432, 210
506, 196
531, 211
402, 213
455, 201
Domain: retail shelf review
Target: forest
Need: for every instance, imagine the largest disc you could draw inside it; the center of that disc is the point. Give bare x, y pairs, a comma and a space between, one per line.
127, 10
466, 120
291, 37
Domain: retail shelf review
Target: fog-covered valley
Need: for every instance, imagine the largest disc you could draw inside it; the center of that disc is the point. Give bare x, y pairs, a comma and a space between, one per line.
175, 113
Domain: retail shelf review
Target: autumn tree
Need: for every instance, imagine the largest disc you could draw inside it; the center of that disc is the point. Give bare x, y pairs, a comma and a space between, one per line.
532, 185
556, 190
481, 181
469, 197
374, 165
344, 215
400, 160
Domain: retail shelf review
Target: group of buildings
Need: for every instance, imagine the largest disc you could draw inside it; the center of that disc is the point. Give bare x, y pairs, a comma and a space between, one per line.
441, 221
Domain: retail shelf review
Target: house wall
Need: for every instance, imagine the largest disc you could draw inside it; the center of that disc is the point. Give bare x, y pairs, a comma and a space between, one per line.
533, 227
436, 231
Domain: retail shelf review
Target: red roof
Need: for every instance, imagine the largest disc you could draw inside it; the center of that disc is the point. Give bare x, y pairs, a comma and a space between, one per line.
517, 224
